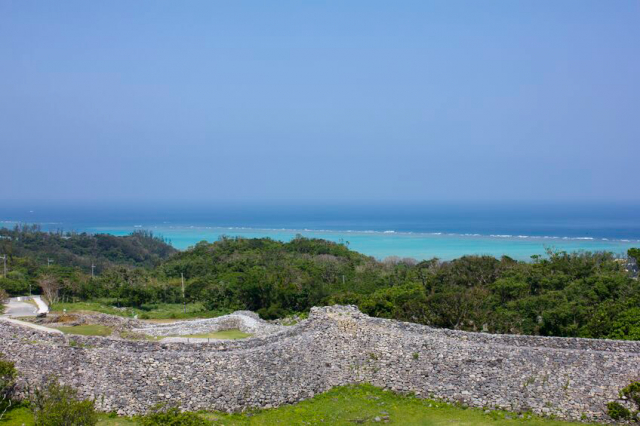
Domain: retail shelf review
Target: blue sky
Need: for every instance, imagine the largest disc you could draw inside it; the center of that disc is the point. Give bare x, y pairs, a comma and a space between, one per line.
320, 101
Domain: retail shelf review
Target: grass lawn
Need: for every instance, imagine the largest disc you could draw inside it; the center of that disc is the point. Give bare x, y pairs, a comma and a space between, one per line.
349, 405
155, 311
22, 416
17, 416
225, 334
87, 330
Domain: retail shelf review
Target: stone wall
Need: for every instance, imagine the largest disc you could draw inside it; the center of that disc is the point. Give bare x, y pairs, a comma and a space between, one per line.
569, 378
245, 321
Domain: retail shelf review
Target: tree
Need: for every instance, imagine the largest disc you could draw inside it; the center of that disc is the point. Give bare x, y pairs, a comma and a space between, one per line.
4, 297
626, 326
54, 404
634, 260
426, 270
8, 376
50, 288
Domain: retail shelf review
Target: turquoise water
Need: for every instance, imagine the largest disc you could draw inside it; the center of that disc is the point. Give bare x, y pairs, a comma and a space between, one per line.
421, 232
383, 244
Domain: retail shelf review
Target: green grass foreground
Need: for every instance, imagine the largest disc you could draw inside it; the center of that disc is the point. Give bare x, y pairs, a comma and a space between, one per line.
347, 405
87, 330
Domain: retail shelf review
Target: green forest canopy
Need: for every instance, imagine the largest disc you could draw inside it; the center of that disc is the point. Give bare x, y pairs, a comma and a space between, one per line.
556, 294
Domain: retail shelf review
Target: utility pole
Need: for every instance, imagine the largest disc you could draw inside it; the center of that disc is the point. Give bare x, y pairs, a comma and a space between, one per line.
184, 301
4, 259
92, 268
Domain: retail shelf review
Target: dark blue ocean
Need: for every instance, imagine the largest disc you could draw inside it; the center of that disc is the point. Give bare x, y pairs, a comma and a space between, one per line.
445, 231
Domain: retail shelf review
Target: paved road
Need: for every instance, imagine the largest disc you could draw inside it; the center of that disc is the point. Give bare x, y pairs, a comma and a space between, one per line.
16, 308
19, 309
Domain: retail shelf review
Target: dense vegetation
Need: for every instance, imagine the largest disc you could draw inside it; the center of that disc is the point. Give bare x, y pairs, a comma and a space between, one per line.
70, 256
4, 296
53, 404
559, 294
140, 248
8, 376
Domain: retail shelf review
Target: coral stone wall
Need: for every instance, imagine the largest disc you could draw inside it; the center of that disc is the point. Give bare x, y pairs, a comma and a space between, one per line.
246, 321
569, 378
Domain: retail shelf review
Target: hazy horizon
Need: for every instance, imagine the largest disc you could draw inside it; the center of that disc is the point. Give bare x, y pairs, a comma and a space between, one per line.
292, 102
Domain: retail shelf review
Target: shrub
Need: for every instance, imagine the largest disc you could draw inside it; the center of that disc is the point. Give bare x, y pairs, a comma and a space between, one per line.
54, 404
14, 287
272, 312
632, 392
618, 412
4, 297
8, 376
161, 415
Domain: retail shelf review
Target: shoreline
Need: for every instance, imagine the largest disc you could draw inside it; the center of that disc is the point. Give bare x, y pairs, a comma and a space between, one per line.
379, 244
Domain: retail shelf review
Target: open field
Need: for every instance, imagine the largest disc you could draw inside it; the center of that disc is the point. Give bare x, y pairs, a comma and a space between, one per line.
349, 405
87, 330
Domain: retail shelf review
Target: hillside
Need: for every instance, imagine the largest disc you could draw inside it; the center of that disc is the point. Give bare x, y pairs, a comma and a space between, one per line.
141, 248
32, 253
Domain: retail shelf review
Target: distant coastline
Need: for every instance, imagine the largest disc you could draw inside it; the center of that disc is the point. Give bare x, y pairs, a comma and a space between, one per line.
379, 244
446, 231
